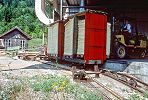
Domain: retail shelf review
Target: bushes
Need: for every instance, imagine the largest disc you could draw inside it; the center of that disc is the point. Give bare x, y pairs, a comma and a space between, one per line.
10, 92
35, 43
51, 86
136, 96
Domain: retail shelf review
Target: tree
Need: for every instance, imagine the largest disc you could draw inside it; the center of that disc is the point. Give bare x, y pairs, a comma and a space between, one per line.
19, 13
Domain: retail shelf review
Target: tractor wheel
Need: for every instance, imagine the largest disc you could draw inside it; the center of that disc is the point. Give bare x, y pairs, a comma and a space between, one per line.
142, 55
121, 51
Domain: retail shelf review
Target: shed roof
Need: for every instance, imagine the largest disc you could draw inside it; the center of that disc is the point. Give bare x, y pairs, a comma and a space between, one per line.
16, 28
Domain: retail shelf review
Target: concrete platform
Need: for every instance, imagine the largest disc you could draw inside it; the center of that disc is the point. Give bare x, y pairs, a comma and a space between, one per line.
135, 67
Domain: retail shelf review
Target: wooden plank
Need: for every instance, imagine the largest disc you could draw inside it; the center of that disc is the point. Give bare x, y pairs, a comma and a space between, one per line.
13, 48
53, 39
68, 42
81, 37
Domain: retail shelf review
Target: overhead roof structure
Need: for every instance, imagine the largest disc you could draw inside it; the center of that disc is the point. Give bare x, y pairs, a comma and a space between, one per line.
136, 9
106, 4
111, 3
111, 6
119, 8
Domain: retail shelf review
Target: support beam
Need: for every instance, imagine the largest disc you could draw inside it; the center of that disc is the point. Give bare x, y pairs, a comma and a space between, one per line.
71, 12
67, 2
81, 6
61, 9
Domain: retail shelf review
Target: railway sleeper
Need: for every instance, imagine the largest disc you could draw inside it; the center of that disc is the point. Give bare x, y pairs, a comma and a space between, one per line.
81, 74
132, 82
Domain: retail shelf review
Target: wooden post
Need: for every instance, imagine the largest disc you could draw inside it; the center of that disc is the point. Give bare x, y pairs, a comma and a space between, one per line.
96, 69
61, 9
43, 35
73, 69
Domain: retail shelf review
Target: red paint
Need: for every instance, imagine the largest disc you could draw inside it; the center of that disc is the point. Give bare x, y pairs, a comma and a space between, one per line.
61, 29
95, 37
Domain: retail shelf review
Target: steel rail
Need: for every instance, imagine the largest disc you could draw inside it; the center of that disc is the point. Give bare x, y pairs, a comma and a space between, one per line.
121, 81
133, 78
105, 96
125, 83
107, 89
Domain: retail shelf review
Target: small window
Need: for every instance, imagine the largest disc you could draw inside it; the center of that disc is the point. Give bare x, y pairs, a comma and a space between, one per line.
22, 44
17, 36
8, 43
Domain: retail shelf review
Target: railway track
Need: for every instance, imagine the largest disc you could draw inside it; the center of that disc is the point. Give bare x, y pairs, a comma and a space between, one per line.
108, 94
123, 78
128, 80
94, 84
93, 87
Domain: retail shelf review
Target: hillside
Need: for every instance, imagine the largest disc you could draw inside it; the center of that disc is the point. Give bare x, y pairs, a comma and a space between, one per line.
20, 13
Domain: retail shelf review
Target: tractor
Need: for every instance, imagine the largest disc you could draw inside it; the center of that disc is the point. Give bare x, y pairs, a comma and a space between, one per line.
127, 44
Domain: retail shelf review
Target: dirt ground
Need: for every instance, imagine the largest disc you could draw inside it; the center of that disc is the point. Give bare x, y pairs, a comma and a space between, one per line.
21, 68
27, 68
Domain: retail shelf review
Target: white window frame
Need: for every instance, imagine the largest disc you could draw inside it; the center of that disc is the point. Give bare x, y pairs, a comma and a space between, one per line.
8, 42
23, 42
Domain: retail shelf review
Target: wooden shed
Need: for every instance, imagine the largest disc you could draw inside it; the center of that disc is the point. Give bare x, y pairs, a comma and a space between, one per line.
15, 38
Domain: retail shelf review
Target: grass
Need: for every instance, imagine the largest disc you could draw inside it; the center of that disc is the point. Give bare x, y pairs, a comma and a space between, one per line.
146, 94
49, 87
10, 92
136, 96
50, 83
45, 87
61, 84
35, 43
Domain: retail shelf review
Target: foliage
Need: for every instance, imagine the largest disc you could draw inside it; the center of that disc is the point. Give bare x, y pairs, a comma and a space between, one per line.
62, 84
9, 92
34, 43
49, 86
146, 94
136, 96
50, 83
81, 93
20, 13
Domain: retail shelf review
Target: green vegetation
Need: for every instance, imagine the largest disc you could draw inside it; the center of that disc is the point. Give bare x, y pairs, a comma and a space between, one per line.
146, 94
35, 43
61, 84
20, 13
136, 96
45, 87
10, 92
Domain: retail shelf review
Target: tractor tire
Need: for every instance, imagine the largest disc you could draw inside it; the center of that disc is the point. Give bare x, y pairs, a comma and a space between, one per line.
121, 51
